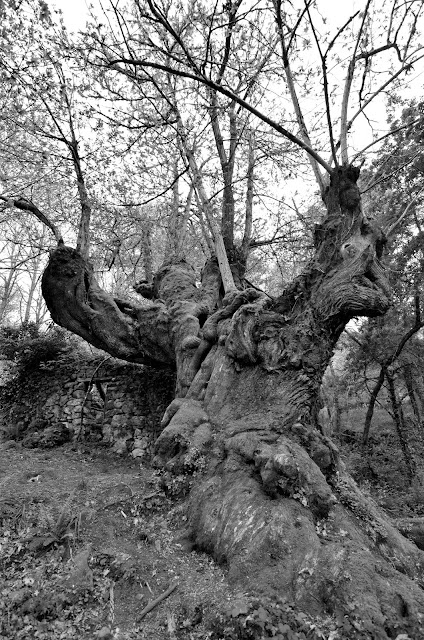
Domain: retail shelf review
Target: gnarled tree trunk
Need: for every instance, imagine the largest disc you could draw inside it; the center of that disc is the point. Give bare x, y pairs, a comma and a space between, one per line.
274, 502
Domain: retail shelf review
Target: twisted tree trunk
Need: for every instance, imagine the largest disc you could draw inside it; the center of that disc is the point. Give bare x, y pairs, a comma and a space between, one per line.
273, 503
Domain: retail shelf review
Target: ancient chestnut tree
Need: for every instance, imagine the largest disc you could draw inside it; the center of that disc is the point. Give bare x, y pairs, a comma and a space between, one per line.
274, 503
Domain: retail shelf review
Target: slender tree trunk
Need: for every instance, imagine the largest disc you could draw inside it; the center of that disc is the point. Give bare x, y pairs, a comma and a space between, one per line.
40, 311
303, 130
337, 416
383, 372
7, 292
415, 439
34, 281
83, 239
409, 382
250, 179
419, 389
9, 283
336, 410
400, 427
197, 181
371, 405
412, 431
146, 248
174, 223
28, 305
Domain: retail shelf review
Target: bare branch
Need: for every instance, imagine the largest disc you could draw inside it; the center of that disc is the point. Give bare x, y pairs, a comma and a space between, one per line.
249, 195
232, 13
26, 205
386, 177
226, 92
162, 19
393, 226
305, 139
404, 68
340, 31
208, 39
298, 21
346, 93
383, 137
325, 81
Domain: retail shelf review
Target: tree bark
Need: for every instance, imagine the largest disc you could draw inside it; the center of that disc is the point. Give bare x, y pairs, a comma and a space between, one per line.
383, 373
371, 405
271, 499
399, 420
8, 284
412, 393
146, 248
34, 279
410, 435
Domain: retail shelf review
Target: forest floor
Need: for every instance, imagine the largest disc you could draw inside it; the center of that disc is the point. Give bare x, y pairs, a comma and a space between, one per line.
88, 539
381, 470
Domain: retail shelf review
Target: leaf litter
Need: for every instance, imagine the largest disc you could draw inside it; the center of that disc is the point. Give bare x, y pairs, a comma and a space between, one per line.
88, 542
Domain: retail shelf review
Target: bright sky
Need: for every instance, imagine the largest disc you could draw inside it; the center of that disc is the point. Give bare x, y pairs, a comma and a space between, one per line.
76, 12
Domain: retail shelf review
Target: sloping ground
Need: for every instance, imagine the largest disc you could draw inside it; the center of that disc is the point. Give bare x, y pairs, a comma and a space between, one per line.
381, 471
88, 540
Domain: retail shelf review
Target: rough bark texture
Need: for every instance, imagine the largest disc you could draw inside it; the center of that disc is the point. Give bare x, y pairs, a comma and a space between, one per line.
76, 302
274, 504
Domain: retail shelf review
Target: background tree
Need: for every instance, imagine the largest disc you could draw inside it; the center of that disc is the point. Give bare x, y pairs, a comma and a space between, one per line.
393, 339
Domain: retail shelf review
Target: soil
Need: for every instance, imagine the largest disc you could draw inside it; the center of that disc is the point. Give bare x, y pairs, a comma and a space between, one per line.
89, 538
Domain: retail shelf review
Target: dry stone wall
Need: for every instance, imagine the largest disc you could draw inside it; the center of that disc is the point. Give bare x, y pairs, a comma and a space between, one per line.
90, 399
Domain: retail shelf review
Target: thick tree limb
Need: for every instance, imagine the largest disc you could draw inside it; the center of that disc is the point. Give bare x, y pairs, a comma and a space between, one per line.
76, 302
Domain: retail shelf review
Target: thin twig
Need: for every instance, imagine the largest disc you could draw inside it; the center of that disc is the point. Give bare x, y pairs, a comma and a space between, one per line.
114, 64
159, 599
111, 603
323, 58
386, 135
26, 205
393, 226
344, 125
295, 101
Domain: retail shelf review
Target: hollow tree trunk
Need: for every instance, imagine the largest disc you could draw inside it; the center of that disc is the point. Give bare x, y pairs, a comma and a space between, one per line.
273, 503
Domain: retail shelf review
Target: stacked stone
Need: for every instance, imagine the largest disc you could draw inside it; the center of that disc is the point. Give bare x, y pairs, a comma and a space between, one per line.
125, 412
